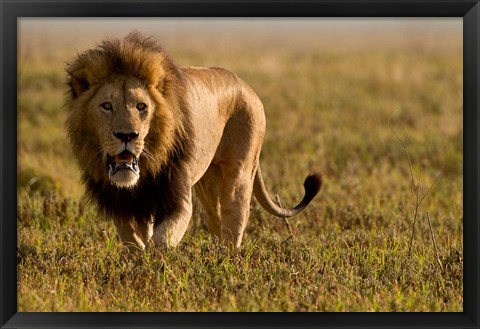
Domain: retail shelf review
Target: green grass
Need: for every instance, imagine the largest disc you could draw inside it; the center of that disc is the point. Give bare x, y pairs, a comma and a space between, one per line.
334, 110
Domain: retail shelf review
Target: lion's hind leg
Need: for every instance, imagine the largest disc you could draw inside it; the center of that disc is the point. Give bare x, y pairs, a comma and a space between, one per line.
225, 193
208, 189
235, 204
237, 157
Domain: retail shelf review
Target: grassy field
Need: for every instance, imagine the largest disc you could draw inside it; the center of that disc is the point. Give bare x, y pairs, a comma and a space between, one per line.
335, 104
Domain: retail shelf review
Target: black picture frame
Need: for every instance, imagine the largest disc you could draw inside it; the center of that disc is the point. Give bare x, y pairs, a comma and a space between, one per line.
11, 10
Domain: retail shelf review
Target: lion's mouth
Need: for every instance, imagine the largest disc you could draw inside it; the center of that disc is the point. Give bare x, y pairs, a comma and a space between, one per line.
123, 161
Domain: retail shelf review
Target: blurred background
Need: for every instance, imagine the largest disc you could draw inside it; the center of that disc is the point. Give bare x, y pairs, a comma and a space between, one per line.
295, 65
343, 34
344, 96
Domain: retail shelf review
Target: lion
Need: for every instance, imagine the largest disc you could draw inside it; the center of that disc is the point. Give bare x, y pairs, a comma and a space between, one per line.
146, 131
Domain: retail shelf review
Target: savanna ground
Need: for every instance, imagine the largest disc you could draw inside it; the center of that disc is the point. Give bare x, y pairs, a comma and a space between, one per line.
335, 100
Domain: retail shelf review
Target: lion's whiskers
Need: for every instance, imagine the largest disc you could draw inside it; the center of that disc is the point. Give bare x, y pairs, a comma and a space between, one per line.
101, 152
148, 154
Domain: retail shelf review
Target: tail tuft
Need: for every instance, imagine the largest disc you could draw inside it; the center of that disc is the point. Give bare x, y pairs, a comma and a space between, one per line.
312, 186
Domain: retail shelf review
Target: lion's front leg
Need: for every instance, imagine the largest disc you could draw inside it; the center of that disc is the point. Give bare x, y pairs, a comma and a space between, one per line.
170, 231
134, 234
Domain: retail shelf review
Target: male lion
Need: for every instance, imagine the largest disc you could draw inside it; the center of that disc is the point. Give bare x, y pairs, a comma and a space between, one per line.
145, 131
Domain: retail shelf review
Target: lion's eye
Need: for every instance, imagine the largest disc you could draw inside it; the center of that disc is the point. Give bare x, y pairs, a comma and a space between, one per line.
107, 106
141, 106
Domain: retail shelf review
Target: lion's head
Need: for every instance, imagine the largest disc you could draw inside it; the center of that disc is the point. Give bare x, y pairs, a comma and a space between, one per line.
126, 117
123, 118
122, 111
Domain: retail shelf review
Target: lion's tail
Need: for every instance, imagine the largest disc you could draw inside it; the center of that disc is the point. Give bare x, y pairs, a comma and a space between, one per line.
312, 185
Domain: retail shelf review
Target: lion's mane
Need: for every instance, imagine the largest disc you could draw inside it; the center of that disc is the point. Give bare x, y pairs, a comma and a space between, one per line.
169, 141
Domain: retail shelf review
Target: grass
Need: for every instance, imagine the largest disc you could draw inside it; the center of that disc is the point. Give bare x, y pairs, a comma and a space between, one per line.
327, 108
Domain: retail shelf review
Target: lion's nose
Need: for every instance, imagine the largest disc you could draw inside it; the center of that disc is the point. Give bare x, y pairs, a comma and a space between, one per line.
125, 137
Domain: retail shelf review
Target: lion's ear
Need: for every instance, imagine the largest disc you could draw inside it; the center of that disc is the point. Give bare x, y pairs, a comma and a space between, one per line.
78, 82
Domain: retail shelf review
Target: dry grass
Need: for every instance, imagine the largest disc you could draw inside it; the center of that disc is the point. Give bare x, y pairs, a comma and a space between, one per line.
332, 105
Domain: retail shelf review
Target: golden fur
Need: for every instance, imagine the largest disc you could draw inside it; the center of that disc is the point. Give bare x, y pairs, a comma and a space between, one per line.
137, 57
186, 126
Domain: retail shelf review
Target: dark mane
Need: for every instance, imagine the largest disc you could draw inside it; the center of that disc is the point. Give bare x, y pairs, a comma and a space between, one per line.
162, 182
156, 196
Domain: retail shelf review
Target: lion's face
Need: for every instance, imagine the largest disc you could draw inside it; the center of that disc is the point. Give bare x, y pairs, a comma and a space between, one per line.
125, 112
122, 111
